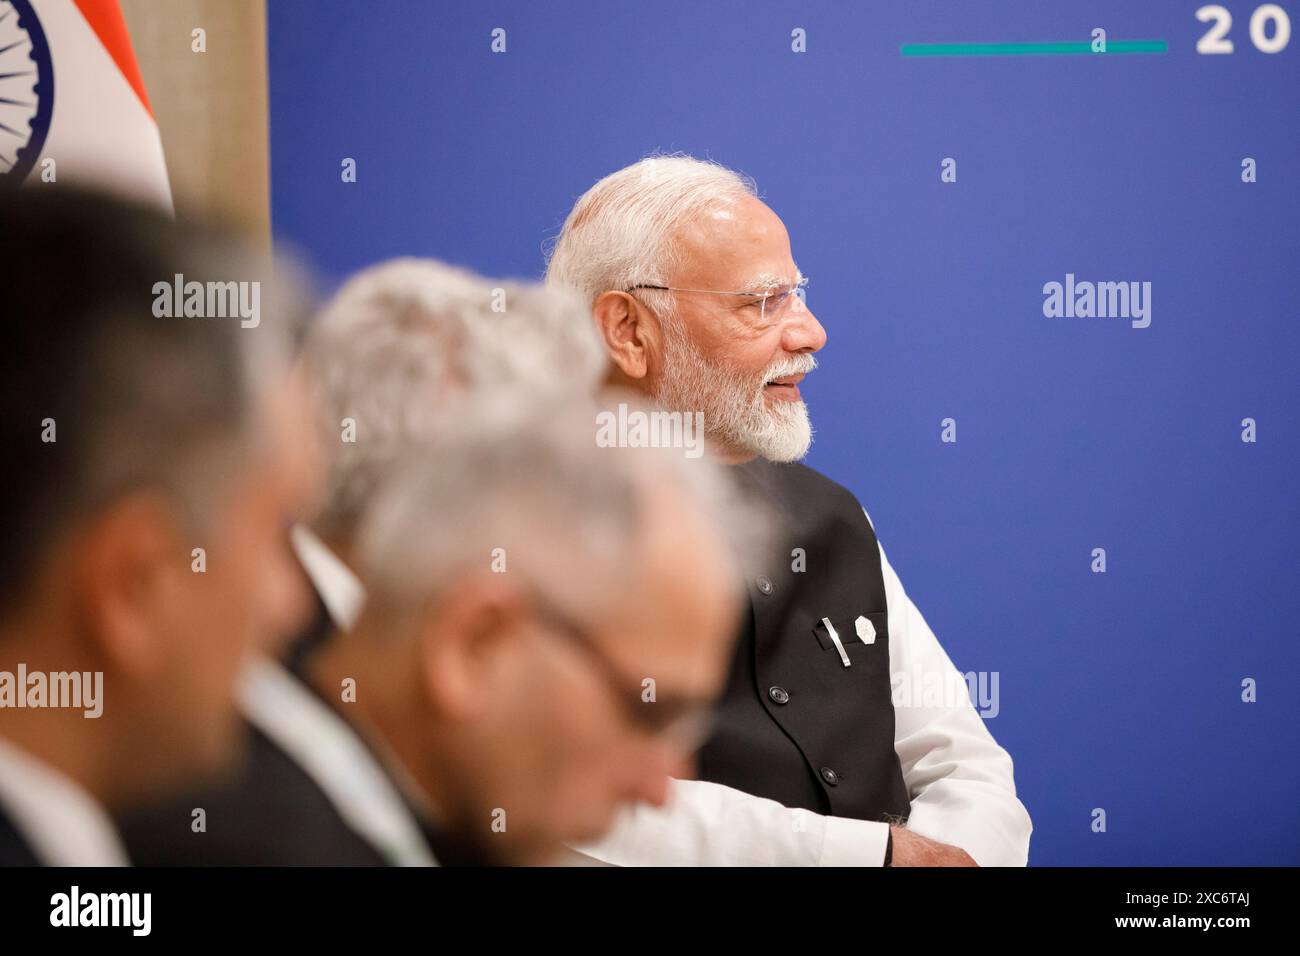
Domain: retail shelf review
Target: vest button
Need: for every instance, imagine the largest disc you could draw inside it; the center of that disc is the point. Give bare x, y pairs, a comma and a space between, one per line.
764, 584
779, 695
830, 776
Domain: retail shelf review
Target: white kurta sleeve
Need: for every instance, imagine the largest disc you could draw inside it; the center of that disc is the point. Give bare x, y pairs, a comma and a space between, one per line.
959, 780
708, 824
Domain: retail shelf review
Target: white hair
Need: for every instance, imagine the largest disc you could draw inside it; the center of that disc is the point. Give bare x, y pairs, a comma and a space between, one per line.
620, 233
534, 482
405, 344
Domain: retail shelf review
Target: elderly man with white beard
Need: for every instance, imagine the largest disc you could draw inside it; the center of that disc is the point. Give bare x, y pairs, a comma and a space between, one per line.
695, 292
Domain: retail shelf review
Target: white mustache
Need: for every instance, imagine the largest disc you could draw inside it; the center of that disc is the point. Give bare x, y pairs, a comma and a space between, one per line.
800, 364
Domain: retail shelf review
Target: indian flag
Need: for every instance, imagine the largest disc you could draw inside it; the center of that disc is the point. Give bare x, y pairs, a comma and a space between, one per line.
72, 105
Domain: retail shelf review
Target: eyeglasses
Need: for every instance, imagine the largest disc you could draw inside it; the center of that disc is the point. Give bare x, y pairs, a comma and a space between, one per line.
685, 724
774, 303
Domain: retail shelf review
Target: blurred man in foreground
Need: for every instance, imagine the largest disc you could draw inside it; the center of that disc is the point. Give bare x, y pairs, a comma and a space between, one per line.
547, 626
154, 454
453, 405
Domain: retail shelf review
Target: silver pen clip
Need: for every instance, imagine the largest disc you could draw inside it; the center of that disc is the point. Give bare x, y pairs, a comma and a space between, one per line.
830, 629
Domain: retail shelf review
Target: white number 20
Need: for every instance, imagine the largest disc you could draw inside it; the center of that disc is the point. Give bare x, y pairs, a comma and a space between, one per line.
1216, 38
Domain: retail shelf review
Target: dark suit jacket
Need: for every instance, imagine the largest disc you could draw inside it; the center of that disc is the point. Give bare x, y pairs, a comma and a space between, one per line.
14, 850
270, 814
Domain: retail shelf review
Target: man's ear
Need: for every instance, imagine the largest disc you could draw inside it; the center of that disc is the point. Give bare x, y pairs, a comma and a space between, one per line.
127, 565
627, 328
467, 643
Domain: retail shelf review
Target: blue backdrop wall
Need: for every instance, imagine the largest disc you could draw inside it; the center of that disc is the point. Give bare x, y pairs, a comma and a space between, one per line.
1119, 690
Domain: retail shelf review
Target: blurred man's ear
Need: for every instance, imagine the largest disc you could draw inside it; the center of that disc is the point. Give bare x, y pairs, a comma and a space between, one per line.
128, 564
470, 642
624, 326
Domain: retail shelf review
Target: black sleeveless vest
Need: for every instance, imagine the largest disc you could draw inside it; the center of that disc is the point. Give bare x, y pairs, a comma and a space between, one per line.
794, 724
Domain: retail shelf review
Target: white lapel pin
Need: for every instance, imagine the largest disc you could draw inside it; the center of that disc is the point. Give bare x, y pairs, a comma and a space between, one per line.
866, 630
830, 629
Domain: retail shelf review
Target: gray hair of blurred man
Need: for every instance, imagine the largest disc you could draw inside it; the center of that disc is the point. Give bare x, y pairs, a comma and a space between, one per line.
619, 233
534, 481
403, 343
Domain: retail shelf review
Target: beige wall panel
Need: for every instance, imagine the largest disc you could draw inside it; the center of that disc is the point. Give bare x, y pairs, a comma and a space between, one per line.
211, 107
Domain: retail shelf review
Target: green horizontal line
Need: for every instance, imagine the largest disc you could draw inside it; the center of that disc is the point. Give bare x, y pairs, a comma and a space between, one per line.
1061, 48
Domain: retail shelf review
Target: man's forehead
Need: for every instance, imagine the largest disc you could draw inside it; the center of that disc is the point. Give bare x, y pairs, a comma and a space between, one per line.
743, 245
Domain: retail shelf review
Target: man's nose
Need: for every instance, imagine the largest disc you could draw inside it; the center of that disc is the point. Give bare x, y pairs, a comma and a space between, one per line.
802, 333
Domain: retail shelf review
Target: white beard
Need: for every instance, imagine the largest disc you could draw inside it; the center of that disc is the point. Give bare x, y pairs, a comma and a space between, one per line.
736, 411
